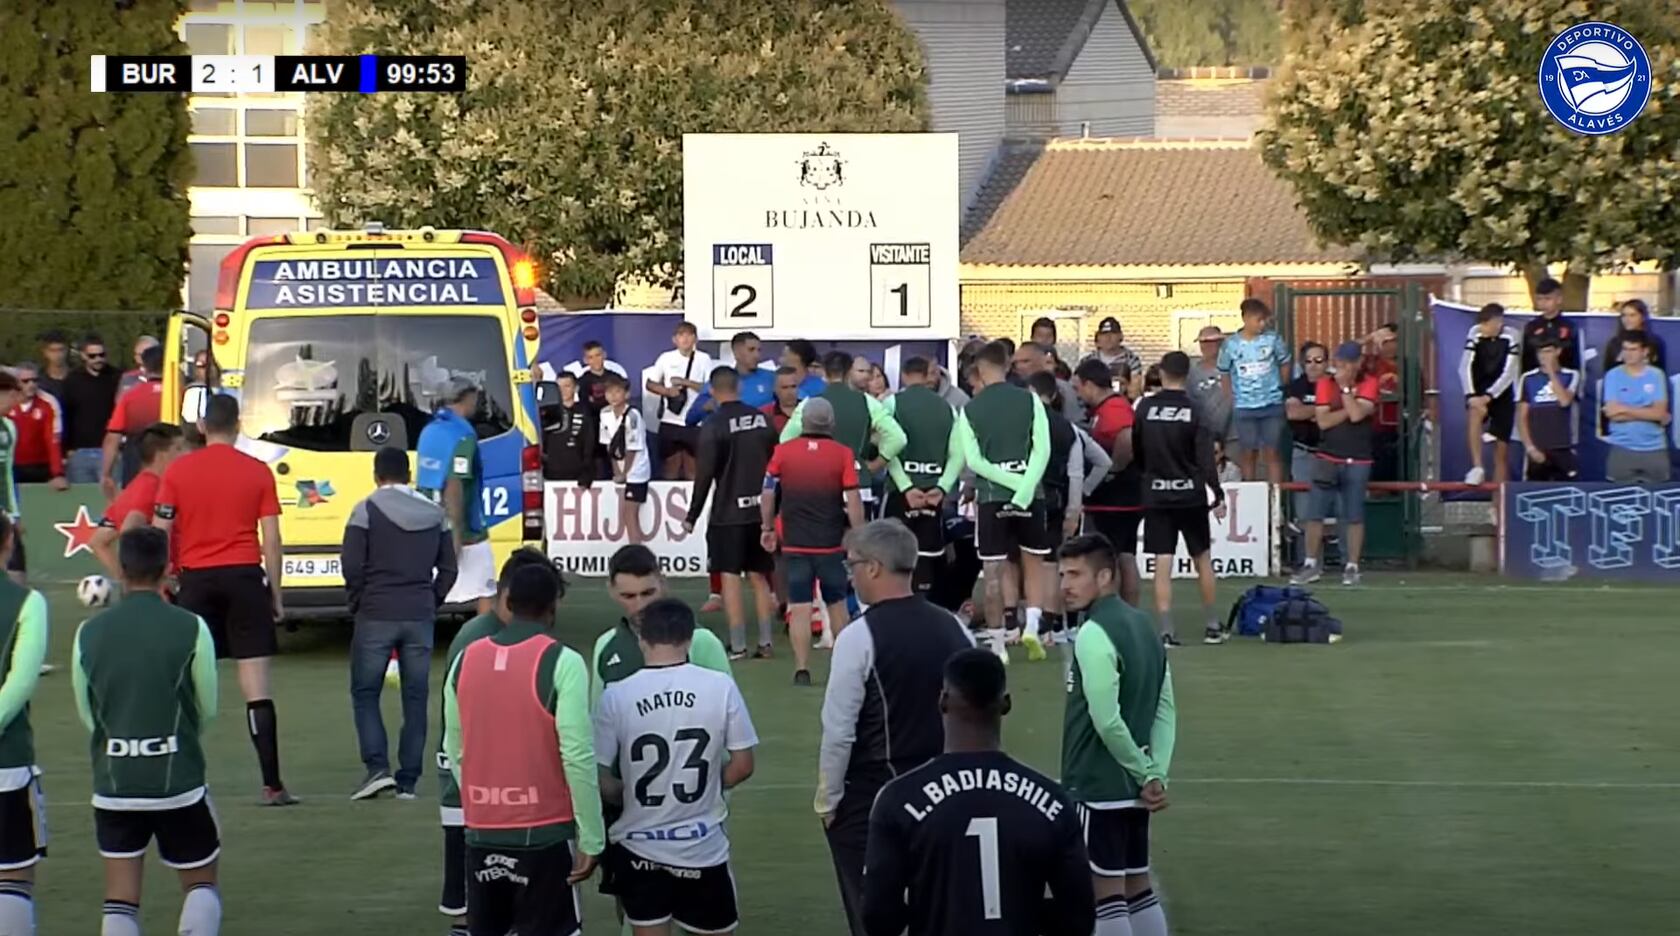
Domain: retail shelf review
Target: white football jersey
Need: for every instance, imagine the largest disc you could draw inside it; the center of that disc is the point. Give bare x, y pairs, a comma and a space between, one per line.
668, 731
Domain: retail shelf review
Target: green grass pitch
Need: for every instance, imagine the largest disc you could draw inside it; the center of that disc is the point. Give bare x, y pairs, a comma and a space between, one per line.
1473, 759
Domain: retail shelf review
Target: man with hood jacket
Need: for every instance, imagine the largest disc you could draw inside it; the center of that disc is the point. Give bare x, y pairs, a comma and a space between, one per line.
398, 564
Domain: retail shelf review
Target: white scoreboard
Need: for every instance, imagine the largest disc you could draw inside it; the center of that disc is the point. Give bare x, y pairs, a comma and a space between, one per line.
824, 236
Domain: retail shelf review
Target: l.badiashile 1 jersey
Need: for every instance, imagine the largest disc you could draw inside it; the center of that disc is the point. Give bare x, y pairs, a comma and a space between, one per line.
668, 731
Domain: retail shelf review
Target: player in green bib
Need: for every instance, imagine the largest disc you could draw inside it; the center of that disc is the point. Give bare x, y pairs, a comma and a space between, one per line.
453, 903
145, 682
925, 471
23, 833
861, 422
1006, 443
1117, 739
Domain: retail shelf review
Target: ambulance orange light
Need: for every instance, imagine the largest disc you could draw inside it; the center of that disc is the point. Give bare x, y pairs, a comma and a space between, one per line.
531, 333
524, 274
221, 337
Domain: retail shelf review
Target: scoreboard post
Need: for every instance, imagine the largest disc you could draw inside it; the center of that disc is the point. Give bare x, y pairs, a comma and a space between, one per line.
822, 236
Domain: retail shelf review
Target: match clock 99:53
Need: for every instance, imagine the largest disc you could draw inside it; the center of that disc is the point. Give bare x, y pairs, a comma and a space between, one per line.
422, 73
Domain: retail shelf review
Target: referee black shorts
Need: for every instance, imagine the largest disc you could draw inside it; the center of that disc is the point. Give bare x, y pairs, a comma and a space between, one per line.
1120, 527
1163, 526
235, 601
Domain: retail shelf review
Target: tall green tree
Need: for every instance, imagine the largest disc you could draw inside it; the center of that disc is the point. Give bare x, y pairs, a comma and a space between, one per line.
569, 136
1186, 33
1417, 131
93, 187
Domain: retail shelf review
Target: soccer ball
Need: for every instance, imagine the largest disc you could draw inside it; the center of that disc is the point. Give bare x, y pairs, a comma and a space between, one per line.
94, 591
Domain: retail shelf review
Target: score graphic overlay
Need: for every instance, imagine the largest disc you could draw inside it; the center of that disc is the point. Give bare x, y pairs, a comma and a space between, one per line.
743, 287
900, 286
268, 74
829, 236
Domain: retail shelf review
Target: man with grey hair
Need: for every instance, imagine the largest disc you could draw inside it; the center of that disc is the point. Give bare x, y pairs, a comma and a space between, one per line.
452, 475
37, 423
880, 714
1212, 394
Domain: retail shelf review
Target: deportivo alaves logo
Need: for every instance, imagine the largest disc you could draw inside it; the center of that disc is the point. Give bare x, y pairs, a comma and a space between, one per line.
822, 173
1595, 78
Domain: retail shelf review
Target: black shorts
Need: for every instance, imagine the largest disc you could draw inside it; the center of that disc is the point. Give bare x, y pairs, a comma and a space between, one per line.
737, 550
453, 901
674, 439
1119, 527
235, 601
1004, 529
700, 900
37, 473
635, 492
1116, 840
1501, 417
1559, 465
1162, 527
925, 522
23, 826
522, 890
1055, 521
187, 837
17, 562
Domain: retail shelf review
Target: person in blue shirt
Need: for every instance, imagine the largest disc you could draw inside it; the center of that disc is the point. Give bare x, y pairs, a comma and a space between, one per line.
802, 356
1255, 362
758, 386
1636, 407
452, 475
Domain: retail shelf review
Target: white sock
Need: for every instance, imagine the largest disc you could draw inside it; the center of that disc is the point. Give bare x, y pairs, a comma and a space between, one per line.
1113, 918
201, 911
17, 909
121, 919
1310, 563
1148, 919
1034, 616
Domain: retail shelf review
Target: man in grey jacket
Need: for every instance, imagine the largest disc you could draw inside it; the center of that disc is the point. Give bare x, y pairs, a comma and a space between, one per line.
1208, 388
398, 564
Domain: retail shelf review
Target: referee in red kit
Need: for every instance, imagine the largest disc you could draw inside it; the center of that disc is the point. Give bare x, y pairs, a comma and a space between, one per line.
212, 503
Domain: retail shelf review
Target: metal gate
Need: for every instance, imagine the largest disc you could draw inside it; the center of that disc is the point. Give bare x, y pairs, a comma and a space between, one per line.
1394, 527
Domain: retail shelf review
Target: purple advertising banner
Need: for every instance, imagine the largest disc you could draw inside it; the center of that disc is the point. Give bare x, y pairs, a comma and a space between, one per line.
1452, 327
1555, 532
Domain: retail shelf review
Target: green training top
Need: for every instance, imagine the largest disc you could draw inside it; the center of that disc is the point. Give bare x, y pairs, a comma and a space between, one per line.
23, 646
857, 417
145, 682
932, 455
1121, 723
1006, 443
563, 685
618, 655
9, 503
449, 792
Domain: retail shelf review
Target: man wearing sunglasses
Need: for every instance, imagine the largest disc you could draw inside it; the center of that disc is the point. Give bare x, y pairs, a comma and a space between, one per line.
90, 396
36, 417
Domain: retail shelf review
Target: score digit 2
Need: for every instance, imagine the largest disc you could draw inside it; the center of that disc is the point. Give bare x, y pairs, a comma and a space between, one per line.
743, 287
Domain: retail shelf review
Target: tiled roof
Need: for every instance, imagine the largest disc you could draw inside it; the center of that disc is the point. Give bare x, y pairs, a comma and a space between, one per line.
1043, 37
1139, 203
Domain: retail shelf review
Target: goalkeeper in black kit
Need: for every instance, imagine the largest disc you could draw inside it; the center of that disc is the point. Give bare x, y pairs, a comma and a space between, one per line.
967, 844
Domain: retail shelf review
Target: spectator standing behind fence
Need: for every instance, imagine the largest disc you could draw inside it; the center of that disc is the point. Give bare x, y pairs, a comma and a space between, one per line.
1033, 358
1300, 404
1342, 467
1255, 363
1635, 315
624, 442
1112, 350
1487, 371
398, 562
1550, 323
140, 373
591, 370
570, 436
90, 396
38, 457
1382, 361
1546, 417
1636, 406
1209, 389
1044, 335
55, 364
137, 408
678, 376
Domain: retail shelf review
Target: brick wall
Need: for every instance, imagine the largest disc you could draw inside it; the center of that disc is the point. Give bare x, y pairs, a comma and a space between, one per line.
1152, 328
1209, 107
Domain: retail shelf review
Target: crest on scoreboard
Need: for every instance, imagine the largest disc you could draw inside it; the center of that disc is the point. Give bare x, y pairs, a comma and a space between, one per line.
822, 168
